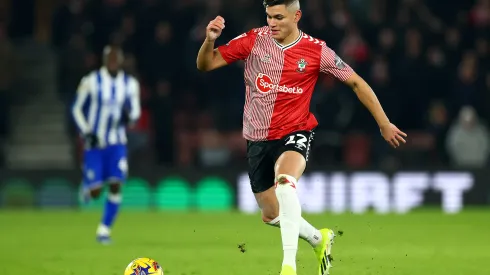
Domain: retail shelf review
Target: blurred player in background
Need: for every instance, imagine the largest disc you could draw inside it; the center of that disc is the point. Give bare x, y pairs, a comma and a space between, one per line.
107, 102
282, 65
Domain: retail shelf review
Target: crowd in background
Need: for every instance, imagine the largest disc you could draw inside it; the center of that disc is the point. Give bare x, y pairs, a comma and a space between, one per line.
8, 72
427, 60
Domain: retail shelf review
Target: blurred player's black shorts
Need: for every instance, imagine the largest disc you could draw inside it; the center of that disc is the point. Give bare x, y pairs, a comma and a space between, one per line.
262, 156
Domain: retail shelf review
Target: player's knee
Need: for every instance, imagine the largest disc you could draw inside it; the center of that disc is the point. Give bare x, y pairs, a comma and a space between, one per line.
95, 193
285, 180
115, 187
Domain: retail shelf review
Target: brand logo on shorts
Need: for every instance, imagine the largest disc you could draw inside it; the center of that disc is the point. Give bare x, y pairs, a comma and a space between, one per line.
264, 84
90, 174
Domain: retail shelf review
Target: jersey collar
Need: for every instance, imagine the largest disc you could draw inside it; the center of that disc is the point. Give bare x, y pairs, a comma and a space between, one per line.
105, 71
290, 45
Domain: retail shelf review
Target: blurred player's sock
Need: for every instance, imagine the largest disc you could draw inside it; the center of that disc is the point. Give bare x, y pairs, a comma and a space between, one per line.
110, 212
290, 217
84, 194
306, 231
111, 209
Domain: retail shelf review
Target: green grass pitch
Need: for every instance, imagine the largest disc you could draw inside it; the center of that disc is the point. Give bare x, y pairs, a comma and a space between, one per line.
425, 242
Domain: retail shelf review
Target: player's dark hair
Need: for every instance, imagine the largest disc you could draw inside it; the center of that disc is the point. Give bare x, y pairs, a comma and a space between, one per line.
270, 3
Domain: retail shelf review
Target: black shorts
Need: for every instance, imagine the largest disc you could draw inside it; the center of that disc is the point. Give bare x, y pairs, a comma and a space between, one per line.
262, 156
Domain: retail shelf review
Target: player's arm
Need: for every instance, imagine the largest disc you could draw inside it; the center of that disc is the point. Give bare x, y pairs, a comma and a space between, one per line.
209, 58
367, 96
332, 64
131, 109
82, 95
134, 102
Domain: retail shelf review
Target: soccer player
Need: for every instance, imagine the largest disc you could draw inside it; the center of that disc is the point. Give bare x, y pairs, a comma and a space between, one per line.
282, 65
107, 102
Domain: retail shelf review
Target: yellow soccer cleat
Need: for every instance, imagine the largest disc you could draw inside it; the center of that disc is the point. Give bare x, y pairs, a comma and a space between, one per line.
287, 270
323, 250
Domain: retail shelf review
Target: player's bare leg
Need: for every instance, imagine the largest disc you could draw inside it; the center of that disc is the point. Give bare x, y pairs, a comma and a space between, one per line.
95, 193
86, 194
269, 206
111, 209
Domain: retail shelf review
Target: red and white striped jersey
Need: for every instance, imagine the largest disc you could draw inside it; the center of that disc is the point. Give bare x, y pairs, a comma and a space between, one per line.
280, 81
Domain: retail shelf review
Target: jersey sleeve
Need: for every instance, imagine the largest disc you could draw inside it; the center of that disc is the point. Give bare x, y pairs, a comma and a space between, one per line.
134, 99
238, 48
331, 63
83, 93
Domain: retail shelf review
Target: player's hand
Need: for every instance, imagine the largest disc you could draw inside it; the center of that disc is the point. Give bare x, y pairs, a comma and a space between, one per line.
214, 28
91, 141
393, 135
125, 120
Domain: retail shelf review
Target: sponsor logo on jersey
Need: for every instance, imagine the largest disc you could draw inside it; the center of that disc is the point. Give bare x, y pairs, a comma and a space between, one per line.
264, 84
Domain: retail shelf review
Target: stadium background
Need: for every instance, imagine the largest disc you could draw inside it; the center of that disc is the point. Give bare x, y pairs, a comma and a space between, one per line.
428, 64
427, 60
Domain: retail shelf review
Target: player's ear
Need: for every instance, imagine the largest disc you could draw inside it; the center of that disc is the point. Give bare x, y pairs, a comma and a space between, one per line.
297, 16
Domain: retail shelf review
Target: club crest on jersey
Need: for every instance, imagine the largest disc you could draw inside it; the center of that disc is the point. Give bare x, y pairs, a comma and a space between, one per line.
301, 65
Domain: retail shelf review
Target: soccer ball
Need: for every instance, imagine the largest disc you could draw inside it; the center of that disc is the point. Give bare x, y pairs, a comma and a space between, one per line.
143, 266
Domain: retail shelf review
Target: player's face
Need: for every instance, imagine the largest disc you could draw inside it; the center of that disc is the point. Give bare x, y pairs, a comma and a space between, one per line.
112, 61
282, 21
